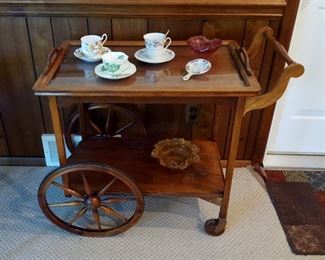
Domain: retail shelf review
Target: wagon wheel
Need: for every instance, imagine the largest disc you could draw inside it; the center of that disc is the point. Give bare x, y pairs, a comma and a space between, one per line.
95, 207
105, 120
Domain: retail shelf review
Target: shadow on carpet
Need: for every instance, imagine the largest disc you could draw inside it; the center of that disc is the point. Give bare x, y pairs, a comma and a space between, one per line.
299, 200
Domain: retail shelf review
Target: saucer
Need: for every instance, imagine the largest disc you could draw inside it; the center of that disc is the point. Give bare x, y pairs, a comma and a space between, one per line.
142, 56
130, 70
80, 55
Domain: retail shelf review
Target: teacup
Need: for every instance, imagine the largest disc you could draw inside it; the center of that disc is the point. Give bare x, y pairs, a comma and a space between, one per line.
115, 62
91, 45
155, 44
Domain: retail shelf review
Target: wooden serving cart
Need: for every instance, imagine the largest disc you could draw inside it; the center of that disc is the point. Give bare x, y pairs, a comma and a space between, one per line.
105, 178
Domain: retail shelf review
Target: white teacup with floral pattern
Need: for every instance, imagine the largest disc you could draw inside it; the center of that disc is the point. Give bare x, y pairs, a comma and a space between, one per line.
115, 62
155, 44
91, 45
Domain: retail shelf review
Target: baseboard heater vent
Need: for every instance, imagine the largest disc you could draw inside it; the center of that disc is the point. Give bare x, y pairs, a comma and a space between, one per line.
50, 151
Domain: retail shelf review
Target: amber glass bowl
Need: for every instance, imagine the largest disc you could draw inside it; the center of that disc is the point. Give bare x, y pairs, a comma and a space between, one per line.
176, 153
200, 43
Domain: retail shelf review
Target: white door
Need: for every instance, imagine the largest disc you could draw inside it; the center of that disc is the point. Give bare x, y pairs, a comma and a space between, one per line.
297, 137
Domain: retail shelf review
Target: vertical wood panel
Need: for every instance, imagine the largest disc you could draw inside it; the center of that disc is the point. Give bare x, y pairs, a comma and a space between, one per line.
171, 119
266, 69
68, 28
167, 121
20, 109
40, 33
222, 119
284, 37
252, 26
228, 138
3, 142
224, 28
178, 29
129, 28
99, 26
202, 128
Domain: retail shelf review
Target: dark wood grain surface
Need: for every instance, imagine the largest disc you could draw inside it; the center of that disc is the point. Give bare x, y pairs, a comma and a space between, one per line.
41, 41
129, 29
20, 109
284, 36
3, 141
100, 25
221, 80
151, 2
266, 68
204, 178
68, 28
252, 26
48, 22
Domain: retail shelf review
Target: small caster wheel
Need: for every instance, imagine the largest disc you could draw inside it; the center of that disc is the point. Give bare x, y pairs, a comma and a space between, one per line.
215, 227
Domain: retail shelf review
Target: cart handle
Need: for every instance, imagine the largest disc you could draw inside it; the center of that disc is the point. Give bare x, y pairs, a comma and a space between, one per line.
51, 59
293, 69
53, 63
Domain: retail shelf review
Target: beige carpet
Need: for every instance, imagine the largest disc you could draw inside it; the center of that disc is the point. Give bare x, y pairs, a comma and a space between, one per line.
171, 228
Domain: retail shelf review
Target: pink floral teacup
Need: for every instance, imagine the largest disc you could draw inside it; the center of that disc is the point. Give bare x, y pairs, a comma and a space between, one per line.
91, 45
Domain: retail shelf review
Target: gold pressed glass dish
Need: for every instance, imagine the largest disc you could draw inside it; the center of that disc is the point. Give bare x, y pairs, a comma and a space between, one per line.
176, 153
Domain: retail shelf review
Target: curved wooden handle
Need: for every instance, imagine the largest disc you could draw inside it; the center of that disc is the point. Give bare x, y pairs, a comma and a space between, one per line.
51, 59
293, 69
257, 41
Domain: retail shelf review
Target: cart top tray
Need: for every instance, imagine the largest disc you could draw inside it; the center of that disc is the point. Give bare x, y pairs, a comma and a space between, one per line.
68, 76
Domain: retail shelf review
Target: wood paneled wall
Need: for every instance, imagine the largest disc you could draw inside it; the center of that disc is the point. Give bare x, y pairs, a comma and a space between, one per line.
28, 40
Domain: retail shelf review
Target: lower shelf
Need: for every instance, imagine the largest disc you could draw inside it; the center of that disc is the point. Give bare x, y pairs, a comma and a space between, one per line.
133, 156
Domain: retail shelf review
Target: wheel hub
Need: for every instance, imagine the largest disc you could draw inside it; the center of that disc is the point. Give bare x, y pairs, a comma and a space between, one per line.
92, 202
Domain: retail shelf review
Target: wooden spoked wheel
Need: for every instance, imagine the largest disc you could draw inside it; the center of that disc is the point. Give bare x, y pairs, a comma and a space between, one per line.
96, 206
105, 120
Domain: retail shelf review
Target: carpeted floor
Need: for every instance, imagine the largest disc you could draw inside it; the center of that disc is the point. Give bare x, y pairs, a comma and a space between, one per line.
171, 228
299, 199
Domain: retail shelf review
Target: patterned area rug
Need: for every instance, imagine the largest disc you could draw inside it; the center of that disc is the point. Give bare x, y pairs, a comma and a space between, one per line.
299, 199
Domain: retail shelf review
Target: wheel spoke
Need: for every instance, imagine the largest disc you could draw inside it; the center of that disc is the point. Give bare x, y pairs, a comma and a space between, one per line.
68, 190
80, 213
124, 128
106, 211
116, 200
95, 127
86, 185
103, 190
108, 119
68, 203
97, 218
113, 213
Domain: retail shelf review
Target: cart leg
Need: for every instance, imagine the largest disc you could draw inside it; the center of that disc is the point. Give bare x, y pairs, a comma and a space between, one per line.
56, 122
216, 227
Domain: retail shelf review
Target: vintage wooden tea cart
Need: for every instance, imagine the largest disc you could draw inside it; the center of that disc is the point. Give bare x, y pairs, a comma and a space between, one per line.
99, 189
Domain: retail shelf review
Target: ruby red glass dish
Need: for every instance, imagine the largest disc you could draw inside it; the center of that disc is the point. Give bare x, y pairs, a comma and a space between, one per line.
200, 43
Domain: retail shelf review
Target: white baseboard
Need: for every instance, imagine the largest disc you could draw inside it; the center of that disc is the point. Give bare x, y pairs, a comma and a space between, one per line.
50, 151
274, 161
